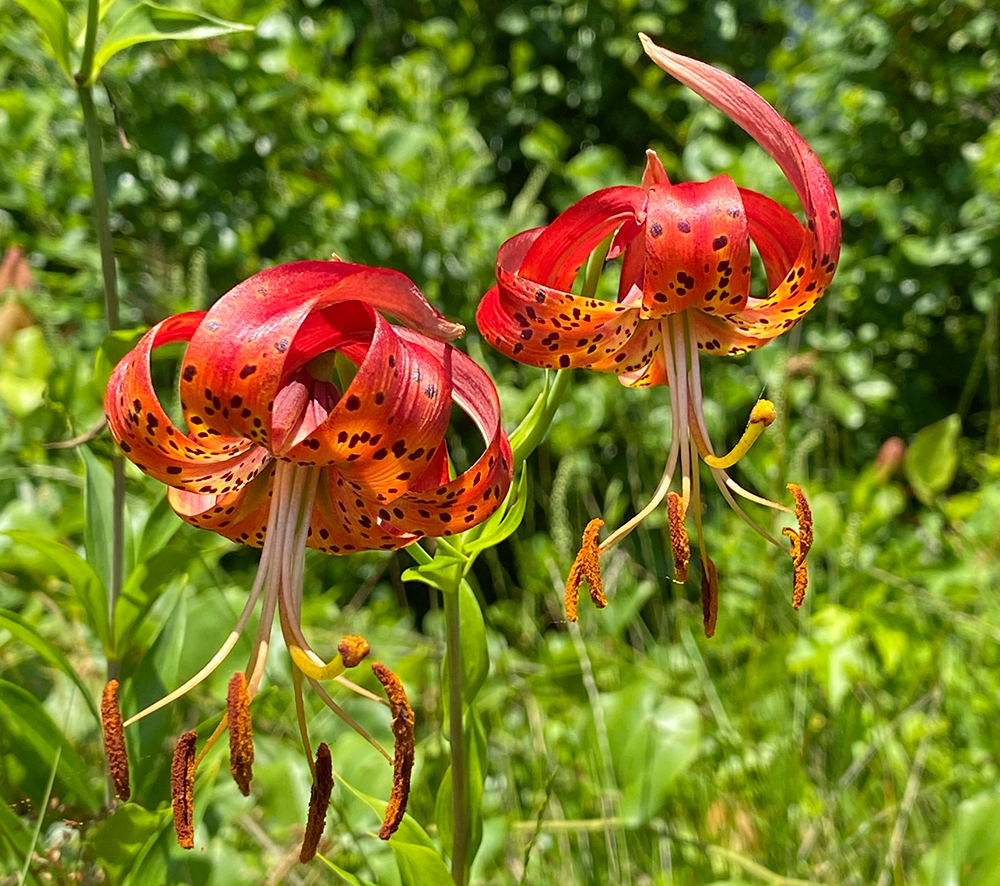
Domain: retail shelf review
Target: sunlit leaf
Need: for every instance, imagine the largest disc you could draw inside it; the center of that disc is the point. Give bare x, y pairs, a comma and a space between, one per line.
932, 458
54, 22
146, 22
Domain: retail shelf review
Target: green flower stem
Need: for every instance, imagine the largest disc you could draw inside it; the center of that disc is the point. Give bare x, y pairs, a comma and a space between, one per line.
102, 224
459, 777
89, 45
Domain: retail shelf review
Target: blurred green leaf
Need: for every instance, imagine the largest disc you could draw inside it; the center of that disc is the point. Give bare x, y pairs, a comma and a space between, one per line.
27, 634
969, 854
145, 22
31, 733
54, 22
78, 573
932, 458
125, 842
97, 535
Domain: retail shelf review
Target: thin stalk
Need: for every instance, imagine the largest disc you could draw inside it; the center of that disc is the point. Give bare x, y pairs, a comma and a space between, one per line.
102, 225
86, 74
459, 777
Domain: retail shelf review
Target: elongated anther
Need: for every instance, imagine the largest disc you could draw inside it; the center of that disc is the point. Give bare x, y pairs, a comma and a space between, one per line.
801, 542
679, 544
402, 764
319, 802
182, 789
353, 650
587, 565
240, 732
709, 595
114, 740
762, 415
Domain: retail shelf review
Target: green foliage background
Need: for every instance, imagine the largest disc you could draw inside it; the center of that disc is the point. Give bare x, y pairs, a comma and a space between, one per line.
850, 742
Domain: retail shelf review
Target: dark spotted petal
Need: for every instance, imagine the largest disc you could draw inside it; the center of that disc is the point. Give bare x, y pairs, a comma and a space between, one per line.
240, 516
391, 420
207, 464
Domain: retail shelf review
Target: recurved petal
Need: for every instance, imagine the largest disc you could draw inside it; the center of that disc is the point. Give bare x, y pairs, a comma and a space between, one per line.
554, 258
385, 430
467, 500
240, 515
153, 442
775, 134
535, 323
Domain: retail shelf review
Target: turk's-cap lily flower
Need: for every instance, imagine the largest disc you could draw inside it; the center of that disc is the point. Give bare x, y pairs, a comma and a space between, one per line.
684, 289
277, 456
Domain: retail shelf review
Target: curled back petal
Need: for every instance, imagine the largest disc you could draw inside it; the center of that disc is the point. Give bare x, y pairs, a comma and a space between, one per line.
153, 442
386, 428
775, 134
467, 500
240, 516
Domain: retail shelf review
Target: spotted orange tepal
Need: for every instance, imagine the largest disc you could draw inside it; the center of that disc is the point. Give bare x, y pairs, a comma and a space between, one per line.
684, 287
277, 456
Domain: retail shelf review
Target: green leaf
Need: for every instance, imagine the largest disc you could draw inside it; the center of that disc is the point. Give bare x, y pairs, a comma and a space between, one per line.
25, 633
475, 758
444, 572
417, 858
54, 22
346, 876
932, 458
124, 842
970, 852
80, 575
147, 22
32, 735
97, 500
653, 739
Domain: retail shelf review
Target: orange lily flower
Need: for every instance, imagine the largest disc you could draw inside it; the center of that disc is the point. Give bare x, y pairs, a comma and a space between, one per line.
684, 288
278, 457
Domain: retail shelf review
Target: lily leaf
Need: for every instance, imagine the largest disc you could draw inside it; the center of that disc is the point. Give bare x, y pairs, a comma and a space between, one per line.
147, 22
54, 22
503, 523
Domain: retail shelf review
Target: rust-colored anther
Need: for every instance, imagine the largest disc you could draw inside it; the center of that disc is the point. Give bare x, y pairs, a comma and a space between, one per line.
587, 565
679, 544
709, 595
402, 766
353, 650
319, 802
801, 542
240, 732
114, 740
182, 789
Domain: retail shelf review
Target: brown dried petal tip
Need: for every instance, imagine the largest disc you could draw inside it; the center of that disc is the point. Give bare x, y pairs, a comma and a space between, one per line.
114, 740
319, 802
678, 537
353, 650
182, 789
587, 565
709, 595
402, 728
801, 542
240, 732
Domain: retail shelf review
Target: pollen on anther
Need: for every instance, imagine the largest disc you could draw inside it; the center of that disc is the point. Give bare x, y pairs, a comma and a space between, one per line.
114, 740
240, 732
353, 650
679, 544
801, 542
319, 802
182, 789
402, 765
587, 565
709, 595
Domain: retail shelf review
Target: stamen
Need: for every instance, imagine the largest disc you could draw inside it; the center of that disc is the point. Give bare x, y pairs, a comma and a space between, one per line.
801, 542
402, 764
182, 789
240, 732
353, 650
709, 594
114, 740
319, 802
678, 537
762, 415
587, 565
